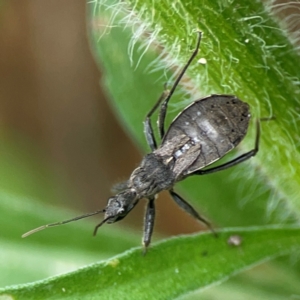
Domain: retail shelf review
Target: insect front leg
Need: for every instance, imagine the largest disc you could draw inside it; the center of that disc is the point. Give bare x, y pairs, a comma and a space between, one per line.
148, 223
189, 209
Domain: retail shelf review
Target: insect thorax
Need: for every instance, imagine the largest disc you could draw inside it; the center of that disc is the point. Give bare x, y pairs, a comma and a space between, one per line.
152, 176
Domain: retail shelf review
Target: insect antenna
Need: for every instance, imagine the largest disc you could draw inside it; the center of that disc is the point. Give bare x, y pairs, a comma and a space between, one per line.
64, 222
100, 224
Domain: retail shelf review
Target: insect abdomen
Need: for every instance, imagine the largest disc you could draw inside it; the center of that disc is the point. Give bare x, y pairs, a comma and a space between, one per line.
216, 124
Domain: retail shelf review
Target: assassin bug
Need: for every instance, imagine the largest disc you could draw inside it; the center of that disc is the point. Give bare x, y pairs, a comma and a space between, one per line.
201, 134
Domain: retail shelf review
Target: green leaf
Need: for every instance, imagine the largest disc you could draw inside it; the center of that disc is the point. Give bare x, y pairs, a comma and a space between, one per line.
170, 268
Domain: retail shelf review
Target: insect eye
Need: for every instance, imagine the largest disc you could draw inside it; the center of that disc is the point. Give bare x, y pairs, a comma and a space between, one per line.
117, 205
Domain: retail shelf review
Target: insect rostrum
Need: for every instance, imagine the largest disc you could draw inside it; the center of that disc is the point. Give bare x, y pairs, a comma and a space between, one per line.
201, 134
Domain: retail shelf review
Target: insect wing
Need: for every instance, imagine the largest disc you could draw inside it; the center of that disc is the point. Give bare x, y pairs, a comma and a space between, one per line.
210, 127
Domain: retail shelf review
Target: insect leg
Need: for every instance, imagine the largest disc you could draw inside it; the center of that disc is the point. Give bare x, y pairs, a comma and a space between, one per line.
237, 160
189, 209
148, 129
164, 106
148, 224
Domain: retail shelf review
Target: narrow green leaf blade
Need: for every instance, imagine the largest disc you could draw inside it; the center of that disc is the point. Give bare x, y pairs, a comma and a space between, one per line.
170, 269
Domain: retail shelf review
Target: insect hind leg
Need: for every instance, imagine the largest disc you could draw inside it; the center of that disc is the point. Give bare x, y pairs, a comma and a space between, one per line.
148, 129
240, 158
164, 105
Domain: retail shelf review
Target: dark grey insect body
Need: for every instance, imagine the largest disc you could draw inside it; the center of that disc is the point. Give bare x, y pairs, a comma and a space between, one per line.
201, 134
204, 132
